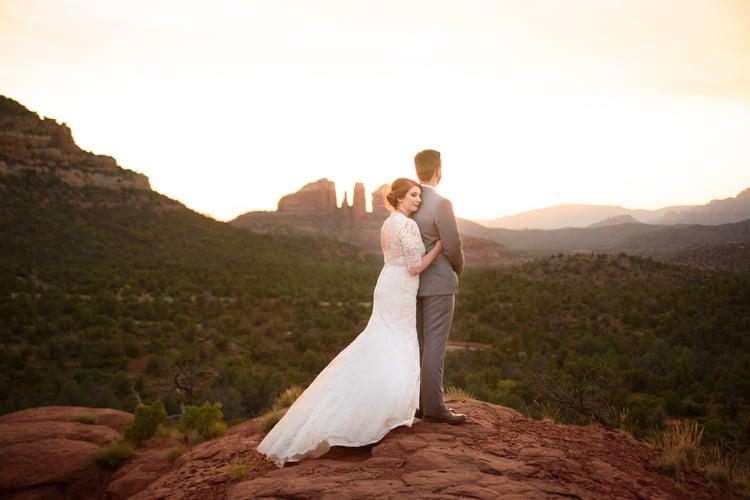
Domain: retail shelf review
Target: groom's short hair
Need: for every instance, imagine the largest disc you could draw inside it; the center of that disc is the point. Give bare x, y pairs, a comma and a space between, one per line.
426, 163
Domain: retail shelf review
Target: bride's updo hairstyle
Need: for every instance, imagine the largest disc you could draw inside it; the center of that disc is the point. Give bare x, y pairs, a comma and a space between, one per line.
398, 191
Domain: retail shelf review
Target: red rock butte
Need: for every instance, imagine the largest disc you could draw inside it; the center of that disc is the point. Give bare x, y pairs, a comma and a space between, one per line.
319, 198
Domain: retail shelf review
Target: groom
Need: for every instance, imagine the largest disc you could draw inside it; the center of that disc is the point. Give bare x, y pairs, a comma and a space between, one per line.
437, 287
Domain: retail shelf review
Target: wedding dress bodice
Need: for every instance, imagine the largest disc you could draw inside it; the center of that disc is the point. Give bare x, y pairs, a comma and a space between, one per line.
401, 242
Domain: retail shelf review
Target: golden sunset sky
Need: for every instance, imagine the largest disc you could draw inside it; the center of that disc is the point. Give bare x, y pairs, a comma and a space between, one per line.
228, 105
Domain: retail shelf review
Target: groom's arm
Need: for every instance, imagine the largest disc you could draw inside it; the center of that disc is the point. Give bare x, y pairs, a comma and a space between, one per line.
449, 235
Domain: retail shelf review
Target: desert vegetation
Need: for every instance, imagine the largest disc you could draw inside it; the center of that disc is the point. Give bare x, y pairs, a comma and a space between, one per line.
116, 298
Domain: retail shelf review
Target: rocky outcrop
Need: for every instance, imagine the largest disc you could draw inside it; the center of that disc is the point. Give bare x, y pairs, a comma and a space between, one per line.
29, 143
51, 452
379, 206
497, 454
313, 210
317, 197
357, 209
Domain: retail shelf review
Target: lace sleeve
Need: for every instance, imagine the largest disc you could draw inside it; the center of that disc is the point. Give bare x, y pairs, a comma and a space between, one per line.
411, 240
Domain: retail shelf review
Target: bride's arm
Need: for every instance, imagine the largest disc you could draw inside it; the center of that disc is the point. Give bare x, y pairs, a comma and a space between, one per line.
427, 259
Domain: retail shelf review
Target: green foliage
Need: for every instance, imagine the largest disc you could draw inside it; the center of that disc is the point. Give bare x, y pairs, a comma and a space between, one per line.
238, 469
287, 397
269, 420
581, 335
110, 296
174, 453
204, 422
147, 420
84, 419
115, 455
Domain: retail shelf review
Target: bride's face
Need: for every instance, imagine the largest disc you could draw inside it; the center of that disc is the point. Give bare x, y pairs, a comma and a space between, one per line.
410, 203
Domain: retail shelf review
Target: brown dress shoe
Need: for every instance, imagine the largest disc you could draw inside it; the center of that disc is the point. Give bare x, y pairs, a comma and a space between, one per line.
419, 413
447, 418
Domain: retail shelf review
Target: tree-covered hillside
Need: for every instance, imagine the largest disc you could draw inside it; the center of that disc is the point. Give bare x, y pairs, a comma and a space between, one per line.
617, 339
104, 294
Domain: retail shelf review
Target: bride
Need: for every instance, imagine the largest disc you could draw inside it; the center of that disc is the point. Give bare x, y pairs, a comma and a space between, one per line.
372, 386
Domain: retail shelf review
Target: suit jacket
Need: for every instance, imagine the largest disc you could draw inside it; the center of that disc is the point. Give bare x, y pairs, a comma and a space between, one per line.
436, 221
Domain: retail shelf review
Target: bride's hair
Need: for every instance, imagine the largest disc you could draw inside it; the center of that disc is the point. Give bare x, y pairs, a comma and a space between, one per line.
398, 191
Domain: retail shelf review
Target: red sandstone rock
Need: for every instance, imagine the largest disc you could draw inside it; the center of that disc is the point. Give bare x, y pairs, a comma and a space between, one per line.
317, 197
146, 466
45, 454
379, 206
497, 454
30, 143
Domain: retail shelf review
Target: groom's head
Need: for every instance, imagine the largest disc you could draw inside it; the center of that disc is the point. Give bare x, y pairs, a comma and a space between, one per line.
428, 165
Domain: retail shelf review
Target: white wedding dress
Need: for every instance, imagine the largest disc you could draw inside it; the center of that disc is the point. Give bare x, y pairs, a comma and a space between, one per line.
372, 386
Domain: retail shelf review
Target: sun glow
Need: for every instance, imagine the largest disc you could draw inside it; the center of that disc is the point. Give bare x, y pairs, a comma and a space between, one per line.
229, 106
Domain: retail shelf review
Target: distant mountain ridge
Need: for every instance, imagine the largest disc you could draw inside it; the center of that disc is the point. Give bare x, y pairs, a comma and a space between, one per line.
721, 247
496, 246
45, 148
725, 211
312, 210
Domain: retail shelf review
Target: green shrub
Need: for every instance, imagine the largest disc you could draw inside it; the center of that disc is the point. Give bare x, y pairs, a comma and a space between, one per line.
238, 469
287, 397
114, 456
269, 420
84, 419
147, 420
175, 453
680, 447
203, 422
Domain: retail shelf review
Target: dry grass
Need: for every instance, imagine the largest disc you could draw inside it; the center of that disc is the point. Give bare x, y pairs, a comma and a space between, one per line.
238, 469
544, 411
174, 453
457, 394
115, 455
269, 420
680, 447
287, 397
85, 419
285, 400
724, 469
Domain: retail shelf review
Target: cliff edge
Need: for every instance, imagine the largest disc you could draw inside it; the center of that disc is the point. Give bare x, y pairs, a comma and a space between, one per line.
498, 454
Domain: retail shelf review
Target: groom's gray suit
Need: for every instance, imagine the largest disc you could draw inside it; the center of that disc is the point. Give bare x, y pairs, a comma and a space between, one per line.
435, 299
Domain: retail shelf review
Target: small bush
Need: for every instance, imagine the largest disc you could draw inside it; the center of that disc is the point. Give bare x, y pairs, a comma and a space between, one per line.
203, 422
147, 420
238, 469
680, 446
724, 468
175, 453
287, 398
169, 433
269, 420
457, 394
544, 411
85, 419
114, 456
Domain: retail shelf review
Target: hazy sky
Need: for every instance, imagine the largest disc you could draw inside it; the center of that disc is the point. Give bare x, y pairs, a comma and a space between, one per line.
228, 105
